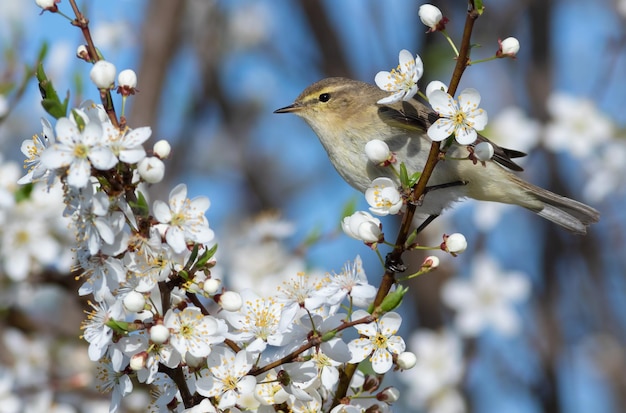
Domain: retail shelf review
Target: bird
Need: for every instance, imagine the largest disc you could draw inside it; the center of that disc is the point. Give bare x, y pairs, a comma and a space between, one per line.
345, 115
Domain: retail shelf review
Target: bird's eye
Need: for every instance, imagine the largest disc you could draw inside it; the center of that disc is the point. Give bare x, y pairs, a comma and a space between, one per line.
324, 97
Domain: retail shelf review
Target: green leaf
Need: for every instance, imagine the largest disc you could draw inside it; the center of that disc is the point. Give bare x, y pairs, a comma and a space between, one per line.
117, 326
50, 99
349, 208
414, 178
478, 5
394, 299
23, 192
206, 256
80, 122
404, 176
140, 207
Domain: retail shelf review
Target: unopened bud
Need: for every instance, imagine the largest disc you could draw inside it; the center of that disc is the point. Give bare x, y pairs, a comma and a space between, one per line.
406, 360
151, 169
211, 286
454, 243
432, 17
159, 334
162, 149
230, 301
389, 395
484, 151
134, 302
138, 361
431, 262
508, 47
103, 74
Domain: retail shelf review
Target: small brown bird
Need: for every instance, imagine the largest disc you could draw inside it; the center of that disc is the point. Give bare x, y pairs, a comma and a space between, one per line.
345, 115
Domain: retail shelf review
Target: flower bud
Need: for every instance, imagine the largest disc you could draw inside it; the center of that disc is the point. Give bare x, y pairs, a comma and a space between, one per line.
162, 149
211, 286
127, 78
230, 301
484, 151
406, 360
435, 85
508, 47
138, 361
432, 17
103, 74
82, 52
389, 395
134, 302
377, 151
454, 243
159, 334
151, 169
362, 226
431, 262
49, 5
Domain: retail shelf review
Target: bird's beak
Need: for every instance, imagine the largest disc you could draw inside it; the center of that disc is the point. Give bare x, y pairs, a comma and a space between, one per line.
288, 109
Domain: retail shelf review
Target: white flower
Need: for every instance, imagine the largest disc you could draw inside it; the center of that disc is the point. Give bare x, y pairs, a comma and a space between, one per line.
577, 126
127, 144
484, 151
103, 74
463, 122
147, 355
258, 320
96, 332
380, 340
486, 299
192, 332
296, 293
401, 81
383, 197
432, 17
184, 219
118, 383
454, 243
227, 377
362, 226
377, 151
439, 363
78, 150
508, 47
32, 149
351, 281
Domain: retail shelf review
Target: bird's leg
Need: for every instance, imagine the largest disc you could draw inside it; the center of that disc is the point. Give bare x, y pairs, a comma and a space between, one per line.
394, 264
439, 186
426, 222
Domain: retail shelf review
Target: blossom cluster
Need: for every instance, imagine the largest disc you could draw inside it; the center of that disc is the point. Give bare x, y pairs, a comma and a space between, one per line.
157, 307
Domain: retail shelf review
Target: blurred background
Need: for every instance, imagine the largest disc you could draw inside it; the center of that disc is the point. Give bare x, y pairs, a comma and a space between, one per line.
210, 75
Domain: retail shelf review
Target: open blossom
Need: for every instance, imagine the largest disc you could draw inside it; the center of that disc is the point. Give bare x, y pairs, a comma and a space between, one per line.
193, 333
184, 219
351, 281
227, 377
379, 341
462, 119
486, 299
362, 226
383, 197
32, 149
78, 150
401, 81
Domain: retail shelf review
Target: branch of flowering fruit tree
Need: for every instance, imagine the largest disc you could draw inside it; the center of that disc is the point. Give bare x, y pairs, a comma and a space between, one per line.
394, 259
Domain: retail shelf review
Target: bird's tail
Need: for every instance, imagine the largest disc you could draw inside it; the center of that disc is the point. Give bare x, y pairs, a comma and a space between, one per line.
571, 215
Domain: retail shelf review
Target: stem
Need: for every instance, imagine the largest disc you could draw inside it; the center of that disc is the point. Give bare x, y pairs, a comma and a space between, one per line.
105, 96
445, 34
419, 190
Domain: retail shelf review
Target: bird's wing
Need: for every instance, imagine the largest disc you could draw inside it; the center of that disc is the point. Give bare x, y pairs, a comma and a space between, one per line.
416, 117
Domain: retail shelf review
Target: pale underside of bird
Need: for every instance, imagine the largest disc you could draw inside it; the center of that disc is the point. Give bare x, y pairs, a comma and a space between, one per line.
345, 116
